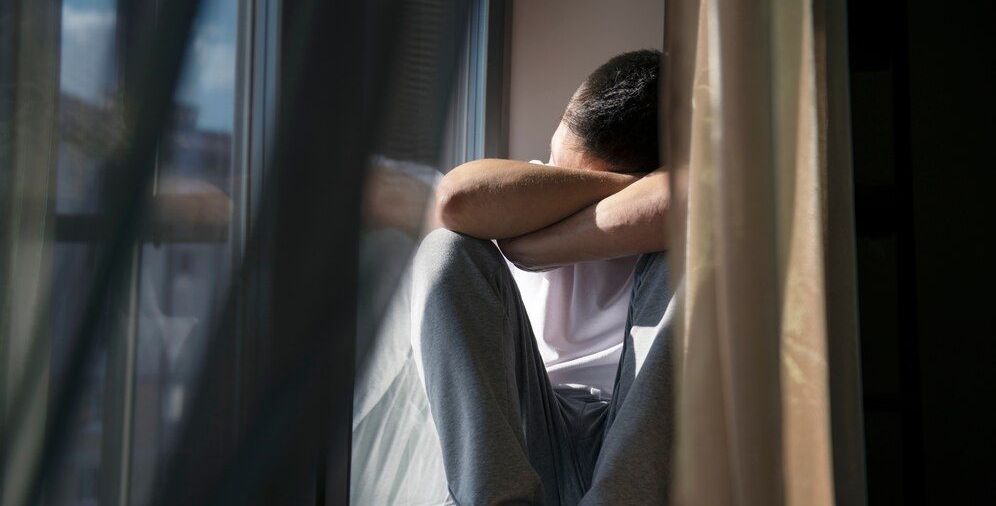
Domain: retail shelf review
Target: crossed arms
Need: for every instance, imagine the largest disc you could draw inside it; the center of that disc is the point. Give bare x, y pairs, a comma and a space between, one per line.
544, 217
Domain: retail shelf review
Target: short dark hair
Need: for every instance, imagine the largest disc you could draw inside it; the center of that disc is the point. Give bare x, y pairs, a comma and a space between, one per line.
614, 112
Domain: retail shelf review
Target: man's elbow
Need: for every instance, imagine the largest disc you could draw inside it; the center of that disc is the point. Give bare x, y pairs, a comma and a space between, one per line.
451, 202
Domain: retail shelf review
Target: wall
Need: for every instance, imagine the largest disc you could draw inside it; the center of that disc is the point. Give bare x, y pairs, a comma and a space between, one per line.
555, 45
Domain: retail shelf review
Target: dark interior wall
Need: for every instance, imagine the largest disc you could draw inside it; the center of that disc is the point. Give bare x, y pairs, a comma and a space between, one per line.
922, 112
951, 118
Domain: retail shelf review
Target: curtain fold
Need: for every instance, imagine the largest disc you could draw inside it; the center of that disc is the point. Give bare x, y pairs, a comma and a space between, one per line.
29, 78
759, 151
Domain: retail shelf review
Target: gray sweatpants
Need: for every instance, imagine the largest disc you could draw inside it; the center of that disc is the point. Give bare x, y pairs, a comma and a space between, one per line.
508, 437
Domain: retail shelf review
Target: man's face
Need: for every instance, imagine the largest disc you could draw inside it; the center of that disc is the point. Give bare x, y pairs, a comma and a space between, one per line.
566, 151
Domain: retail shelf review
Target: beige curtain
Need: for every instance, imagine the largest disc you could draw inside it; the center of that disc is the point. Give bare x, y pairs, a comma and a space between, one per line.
768, 387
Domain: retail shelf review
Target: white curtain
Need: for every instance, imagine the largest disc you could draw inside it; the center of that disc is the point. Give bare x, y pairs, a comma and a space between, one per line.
768, 388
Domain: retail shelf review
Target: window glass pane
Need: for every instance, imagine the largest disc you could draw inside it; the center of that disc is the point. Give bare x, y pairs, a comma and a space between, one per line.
185, 266
88, 114
87, 126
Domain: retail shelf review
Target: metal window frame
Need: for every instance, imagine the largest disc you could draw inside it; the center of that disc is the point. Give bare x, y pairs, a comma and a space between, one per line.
464, 134
258, 72
497, 78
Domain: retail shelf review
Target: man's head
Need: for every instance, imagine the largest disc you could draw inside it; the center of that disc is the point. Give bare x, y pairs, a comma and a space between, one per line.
611, 121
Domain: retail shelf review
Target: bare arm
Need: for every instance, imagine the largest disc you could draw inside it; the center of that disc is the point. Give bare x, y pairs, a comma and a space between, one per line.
629, 222
498, 199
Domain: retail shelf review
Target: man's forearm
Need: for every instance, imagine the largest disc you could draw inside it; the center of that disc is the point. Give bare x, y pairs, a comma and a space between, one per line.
629, 222
498, 199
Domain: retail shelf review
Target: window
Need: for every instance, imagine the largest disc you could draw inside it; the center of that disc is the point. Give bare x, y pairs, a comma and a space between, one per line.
156, 320
159, 321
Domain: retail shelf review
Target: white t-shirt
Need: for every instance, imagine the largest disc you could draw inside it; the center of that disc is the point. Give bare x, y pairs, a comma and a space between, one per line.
578, 315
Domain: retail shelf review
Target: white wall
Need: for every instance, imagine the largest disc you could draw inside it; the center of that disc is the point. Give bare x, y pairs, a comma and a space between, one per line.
555, 45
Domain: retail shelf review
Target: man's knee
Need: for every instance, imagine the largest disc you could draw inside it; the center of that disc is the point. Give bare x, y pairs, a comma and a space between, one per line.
444, 253
450, 271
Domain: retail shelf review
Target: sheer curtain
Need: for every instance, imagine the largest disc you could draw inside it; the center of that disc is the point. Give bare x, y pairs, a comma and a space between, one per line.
768, 387
28, 89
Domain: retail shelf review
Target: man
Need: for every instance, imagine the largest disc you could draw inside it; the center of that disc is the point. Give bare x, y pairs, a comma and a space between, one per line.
541, 356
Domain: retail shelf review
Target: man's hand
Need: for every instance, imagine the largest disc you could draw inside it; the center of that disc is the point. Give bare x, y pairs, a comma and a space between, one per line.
500, 199
631, 221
